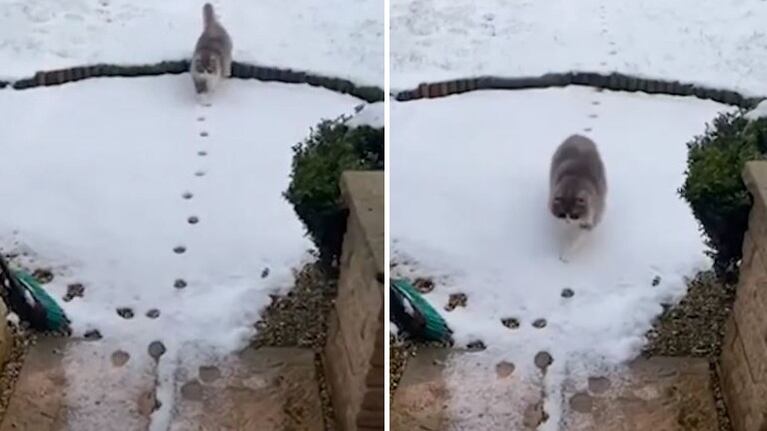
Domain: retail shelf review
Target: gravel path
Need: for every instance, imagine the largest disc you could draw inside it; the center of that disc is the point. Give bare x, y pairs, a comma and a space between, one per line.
399, 352
299, 319
695, 327
21, 339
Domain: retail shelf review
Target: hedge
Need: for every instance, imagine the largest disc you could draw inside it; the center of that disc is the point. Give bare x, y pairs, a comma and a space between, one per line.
331, 148
714, 187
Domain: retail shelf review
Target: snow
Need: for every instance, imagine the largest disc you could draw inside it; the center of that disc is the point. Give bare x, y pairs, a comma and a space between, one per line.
93, 185
469, 188
759, 112
342, 38
712, 42
393, 329
371, 114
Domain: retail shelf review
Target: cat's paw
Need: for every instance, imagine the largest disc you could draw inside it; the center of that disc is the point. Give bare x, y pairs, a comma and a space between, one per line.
204, 100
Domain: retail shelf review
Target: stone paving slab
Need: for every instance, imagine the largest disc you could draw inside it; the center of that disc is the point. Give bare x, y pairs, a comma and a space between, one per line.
70, 385
475, 396
264, 389
658, 394
66, 385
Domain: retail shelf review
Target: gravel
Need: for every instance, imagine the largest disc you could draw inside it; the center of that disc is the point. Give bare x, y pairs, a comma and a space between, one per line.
21, 340
399, 353
695, 327
299, 319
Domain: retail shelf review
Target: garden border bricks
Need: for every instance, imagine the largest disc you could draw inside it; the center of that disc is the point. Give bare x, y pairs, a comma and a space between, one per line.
239, 70
612, 81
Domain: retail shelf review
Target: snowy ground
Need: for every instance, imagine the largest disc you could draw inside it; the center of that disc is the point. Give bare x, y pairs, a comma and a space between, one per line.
95, 186
469, 185
759, 112
341, 38
712, 42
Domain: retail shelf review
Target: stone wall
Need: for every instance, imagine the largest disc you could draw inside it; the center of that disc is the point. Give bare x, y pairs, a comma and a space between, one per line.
239, 70
743, 366
613, 81
354, 353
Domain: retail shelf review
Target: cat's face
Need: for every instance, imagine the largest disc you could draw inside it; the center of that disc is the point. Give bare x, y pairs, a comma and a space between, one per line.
207, 64
571, 202
570, 209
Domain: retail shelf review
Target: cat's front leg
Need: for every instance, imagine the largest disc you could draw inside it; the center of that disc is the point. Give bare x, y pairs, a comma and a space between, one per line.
569, 249
204, 98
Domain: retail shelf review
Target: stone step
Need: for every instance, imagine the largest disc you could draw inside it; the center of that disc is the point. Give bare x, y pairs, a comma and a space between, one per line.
264, 389
660, 393
449, 390
66, 384
78, 385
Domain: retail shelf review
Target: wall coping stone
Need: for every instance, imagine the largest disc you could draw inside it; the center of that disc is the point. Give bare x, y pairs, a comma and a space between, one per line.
755, 179
363, 193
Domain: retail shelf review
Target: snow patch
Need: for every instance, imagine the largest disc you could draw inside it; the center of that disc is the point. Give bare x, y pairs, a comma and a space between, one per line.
100, 174
371, 115
759, 112
713, 43
340, 38
469, 187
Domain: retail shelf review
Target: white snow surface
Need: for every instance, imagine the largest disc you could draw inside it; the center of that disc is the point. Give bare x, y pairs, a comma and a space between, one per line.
469, 189
718, 43
93, 183
342, 38
759, 112
370, 114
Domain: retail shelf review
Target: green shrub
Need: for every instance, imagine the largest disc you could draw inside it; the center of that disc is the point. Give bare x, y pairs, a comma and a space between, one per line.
714, 187
331, 148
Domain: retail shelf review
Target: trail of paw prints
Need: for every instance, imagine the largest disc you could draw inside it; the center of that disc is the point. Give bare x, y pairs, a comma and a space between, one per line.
534, 414
593, 113
605, 33
192, 219
594, 104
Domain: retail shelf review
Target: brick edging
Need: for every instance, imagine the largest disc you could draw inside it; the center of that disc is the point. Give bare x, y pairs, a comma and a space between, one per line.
239, 70
613, 81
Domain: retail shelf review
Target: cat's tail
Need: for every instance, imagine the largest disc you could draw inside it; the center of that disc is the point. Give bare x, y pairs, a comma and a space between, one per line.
208, 17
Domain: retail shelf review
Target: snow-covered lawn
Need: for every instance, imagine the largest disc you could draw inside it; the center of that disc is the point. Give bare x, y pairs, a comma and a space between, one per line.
103, 180
469, 186
342, 38
712, 42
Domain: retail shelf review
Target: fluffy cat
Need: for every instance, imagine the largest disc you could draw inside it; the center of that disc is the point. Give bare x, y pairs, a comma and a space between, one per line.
578, 186
212, 58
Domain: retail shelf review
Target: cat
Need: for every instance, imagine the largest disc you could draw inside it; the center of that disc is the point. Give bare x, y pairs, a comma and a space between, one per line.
212, 58
578, 187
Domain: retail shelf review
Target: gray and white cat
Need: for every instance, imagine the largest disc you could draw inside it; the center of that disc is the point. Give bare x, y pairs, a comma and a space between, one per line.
578, 187
212, 58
